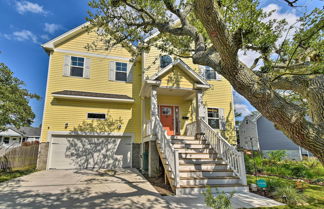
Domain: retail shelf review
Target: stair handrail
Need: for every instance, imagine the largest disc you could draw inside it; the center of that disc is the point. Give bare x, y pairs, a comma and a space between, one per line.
171, 154
229, 154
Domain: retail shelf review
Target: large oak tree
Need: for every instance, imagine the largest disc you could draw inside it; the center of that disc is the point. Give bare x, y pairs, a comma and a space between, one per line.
289, 87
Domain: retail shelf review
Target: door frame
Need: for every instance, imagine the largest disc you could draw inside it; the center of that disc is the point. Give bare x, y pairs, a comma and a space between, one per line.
174, 116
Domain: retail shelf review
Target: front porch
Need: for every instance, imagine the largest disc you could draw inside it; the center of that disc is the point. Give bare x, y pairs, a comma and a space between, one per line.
177, 139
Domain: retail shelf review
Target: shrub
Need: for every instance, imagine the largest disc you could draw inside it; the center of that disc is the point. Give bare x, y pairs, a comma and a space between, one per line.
277, 155
220, 201
288, 195
298, 171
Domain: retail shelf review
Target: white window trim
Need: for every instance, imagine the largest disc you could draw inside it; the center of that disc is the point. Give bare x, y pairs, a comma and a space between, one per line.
96, 118
217, 75
126, 81
219, 119
83, 67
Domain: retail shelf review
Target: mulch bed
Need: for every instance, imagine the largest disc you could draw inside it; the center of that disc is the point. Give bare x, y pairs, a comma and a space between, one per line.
160, 186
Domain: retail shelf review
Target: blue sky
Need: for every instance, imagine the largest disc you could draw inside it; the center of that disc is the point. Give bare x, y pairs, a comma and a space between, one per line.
24, 25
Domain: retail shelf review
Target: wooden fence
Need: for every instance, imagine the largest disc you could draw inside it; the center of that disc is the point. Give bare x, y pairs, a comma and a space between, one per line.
22, 157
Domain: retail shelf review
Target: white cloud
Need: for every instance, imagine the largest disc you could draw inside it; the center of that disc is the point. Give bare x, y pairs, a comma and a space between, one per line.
290, 17
23, 35
45, 37
27, 6
51, 27
248, 57
243, 109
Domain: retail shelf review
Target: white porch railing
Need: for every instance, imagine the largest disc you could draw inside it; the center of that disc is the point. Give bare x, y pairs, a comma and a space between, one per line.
147, 129
171, 155
191, 129
227, 152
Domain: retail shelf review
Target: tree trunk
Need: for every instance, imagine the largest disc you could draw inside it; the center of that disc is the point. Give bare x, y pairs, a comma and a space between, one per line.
287, 117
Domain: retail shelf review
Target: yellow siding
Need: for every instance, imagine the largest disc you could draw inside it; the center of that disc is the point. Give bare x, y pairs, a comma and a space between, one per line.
80, 43
58, 112
177, 78
220, 96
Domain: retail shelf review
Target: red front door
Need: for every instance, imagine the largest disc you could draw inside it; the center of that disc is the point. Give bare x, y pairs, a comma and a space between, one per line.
167, 118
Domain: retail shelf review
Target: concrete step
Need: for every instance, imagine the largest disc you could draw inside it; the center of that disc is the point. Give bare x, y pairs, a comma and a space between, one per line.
209, 180
197, 174
200, 161
202, 167
181, 141
191, 146
195, 150
198, 155
197, 190
183, 137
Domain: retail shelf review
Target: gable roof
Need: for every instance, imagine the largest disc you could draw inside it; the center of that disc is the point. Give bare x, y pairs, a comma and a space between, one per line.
77, 30
11, 132
30, 131
183, 66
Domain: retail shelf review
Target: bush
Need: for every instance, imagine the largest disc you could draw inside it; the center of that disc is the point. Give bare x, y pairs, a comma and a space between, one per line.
277, 155
220, 201
288, 195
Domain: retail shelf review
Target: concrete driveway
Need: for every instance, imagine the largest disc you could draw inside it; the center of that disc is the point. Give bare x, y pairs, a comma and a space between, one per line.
80, 189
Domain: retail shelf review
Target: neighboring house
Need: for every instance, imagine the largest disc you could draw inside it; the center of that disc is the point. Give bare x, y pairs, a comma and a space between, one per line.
30, 134
258, 133
91, 85
14, 137
10, 137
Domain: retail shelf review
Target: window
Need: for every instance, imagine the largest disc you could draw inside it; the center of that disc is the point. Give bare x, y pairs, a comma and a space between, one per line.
213, 118
165, 60
96, 116
121, 71
6, 140
210, 73
77, 66
166, 111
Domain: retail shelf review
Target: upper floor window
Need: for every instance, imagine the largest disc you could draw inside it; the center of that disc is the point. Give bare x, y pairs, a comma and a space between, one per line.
96, 116
77, 66
165, 60
121, 71
213, 118
210, 74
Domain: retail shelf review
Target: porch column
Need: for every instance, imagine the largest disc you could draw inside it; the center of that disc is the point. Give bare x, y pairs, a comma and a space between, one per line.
154, 103
200, 111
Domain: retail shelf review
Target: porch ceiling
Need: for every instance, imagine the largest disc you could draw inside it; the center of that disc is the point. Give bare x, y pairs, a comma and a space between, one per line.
185, 93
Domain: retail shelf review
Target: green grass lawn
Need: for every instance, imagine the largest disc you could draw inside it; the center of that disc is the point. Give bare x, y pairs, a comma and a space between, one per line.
312, 194
5, 176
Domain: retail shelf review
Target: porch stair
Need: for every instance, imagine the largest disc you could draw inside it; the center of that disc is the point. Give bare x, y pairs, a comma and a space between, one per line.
199, 167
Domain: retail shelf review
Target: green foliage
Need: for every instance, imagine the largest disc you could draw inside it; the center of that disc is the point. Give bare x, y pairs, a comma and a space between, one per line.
5, 176
288, 195
307, 169
14, 107
311, 194
277, 155
220, 201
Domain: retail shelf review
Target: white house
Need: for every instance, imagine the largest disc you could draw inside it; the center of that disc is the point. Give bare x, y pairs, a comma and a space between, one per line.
14, 137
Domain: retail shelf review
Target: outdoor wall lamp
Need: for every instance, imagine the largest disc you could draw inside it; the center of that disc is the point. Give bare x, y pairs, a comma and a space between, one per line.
66, 125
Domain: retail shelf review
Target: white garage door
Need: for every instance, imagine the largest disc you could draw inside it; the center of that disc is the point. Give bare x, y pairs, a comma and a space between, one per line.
82, 152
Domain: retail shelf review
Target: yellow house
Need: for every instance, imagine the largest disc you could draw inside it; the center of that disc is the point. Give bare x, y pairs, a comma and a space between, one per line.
105, 110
